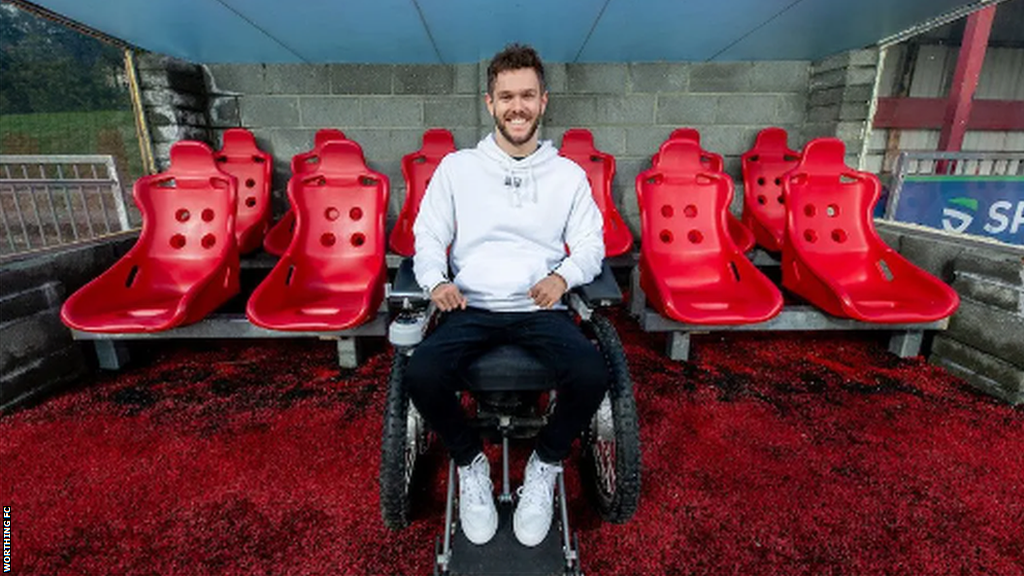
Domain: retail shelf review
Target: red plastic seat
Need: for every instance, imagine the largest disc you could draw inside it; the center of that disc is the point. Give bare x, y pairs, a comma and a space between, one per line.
280, 234
710, 160
687, 134
417, 168
764, 166
833, 256
240, 157
185, 263
578, 146
741, 236
332, 275
690, 269
304, 162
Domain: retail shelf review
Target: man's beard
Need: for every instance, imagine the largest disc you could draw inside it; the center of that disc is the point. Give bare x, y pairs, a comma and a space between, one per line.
517, 141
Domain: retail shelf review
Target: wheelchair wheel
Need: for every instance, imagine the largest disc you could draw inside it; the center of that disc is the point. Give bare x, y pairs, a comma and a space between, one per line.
611, 444
405, 439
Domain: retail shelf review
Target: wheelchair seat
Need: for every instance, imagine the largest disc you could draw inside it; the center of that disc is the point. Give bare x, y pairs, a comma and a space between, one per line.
508, 368
507, 384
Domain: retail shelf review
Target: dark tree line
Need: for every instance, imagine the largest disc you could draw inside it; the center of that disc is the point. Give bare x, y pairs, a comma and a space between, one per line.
45, 67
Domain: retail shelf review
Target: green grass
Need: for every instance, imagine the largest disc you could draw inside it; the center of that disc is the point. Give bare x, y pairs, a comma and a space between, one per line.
102, 132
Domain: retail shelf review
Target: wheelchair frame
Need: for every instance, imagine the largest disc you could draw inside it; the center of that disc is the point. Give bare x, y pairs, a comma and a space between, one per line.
610, 455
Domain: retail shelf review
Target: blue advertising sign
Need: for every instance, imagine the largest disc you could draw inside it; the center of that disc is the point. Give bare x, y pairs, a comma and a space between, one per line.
991, 206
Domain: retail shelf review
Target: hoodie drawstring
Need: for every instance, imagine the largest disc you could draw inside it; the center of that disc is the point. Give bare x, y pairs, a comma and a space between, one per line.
519, 178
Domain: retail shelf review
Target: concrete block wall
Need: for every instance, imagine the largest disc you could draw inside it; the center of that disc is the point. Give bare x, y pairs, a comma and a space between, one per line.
839, 99
984, 344
631, 108
37, 353
385, 108
985, 341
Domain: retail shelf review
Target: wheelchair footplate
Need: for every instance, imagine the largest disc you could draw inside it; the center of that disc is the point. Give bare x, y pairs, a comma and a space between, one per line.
503, 555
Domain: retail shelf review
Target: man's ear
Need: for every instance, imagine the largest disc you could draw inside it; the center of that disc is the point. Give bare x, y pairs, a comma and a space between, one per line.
489, 101
543, 102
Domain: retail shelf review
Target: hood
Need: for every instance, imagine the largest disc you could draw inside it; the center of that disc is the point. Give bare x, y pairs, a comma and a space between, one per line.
517, 175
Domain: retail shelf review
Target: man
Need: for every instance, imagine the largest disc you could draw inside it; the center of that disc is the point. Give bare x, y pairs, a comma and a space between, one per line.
507, 209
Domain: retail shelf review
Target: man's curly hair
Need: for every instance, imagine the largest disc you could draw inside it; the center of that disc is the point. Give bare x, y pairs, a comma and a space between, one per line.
514, 57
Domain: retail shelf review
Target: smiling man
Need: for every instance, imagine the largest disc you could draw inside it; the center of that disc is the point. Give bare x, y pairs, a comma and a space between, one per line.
499, 217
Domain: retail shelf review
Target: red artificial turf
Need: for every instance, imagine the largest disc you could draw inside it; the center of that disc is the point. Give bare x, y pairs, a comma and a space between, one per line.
787, 453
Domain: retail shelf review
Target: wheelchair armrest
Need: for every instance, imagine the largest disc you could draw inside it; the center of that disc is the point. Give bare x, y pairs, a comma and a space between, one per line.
405, 291
602, 290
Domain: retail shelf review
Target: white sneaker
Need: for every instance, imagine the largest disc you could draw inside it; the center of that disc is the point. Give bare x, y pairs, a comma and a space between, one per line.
532, 518
477, 514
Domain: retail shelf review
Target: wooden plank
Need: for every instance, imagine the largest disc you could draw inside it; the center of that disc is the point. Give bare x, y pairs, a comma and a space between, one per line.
929, 114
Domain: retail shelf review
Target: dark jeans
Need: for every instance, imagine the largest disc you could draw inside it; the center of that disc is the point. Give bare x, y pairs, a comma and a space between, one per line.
433, 374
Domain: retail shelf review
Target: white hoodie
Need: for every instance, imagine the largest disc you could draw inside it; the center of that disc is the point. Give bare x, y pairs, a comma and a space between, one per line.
508, 222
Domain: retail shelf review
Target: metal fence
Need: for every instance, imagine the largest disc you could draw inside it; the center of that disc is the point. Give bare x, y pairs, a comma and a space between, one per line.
911, 164
961, 164
47, 201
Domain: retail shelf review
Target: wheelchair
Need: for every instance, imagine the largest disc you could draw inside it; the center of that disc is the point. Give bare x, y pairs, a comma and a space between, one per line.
508, 386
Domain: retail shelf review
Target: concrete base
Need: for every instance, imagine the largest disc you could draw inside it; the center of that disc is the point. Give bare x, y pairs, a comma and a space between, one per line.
111, 354
350, 352
906, 343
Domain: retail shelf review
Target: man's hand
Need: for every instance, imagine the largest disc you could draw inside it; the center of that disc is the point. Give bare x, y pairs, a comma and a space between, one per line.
448, 297
548, 291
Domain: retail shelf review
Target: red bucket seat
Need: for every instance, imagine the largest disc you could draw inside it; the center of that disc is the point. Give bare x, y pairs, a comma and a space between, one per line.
185, 263
417, 168
280, 235
240, 157
578, 146
739, 233
690, 269
764, 167
833, 256
332, 275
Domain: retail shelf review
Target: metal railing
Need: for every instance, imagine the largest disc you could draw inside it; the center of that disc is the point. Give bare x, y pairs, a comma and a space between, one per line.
47, 201
951, 164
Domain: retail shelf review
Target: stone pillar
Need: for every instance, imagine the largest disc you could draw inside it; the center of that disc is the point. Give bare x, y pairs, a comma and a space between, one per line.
175, 101
839, 99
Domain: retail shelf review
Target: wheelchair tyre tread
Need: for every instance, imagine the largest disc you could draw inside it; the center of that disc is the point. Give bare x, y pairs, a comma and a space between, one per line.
394, 494
619, 506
